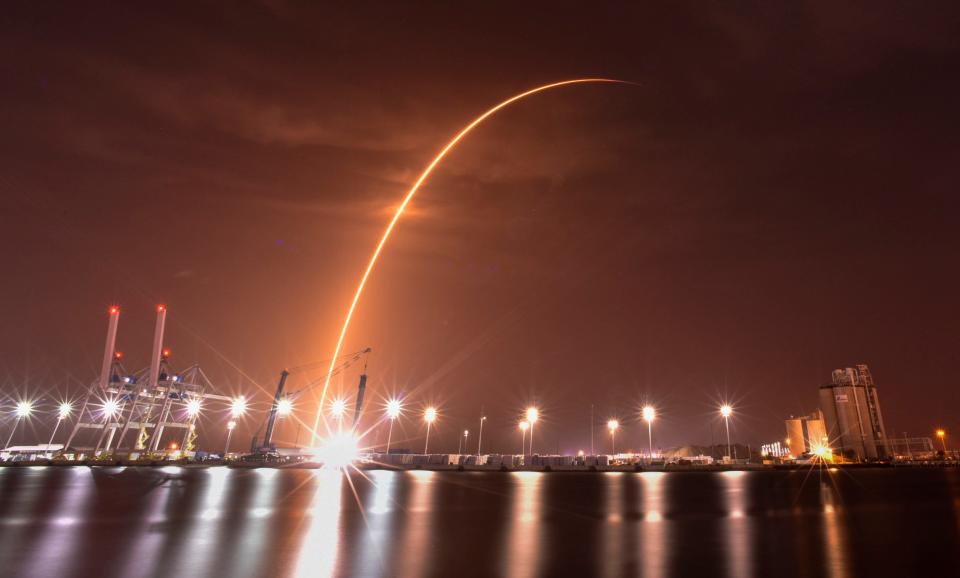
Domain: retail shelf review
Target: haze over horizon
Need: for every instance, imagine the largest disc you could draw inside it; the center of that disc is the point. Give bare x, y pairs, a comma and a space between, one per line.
774, 201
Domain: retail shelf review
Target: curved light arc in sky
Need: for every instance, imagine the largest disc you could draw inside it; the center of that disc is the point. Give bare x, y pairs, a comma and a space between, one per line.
399, 212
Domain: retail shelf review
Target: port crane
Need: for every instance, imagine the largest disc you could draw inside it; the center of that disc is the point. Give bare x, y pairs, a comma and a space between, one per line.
346, 361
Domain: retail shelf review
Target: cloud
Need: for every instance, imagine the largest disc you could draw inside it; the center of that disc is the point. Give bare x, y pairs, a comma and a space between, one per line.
293, 112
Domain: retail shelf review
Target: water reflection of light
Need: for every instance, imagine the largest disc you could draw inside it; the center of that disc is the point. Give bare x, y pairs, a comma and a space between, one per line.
652, 530
834, 538
383, 483
613, 532
419, 523
373, 558
58, 544
523, 536
213, 497
203, 536
146, 544
254, 529
28, 497
737, 531
318, 550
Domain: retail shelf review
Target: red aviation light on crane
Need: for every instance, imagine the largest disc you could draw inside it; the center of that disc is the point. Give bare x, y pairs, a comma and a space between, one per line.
165, 353
114, 310
161, 308
118, 355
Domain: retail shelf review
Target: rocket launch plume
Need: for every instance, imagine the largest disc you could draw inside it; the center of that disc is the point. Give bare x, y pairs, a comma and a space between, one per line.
399, 212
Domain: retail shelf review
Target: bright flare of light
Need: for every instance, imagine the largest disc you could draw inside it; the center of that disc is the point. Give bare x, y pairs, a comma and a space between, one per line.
24, 409
111, 407
821, 451
338, 408
649, 413
238, 406
285, 407
194, 406
338, 451
65, 409
430, 415
613, 425
406, 201
231, 424
466, 433
941, 433
394, 407
524, 425
533, 414
726, 410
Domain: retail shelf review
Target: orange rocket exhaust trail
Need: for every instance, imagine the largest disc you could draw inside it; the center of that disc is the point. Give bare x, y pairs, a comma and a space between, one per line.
403, 205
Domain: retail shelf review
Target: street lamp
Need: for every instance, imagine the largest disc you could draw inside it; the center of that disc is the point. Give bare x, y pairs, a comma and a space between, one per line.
524, 426
63, 412
338, 408
941, 433
23, 409
110, 408
726, 411
394, 407
613, 425
231, 425
649, 413
480, 436
463, 442
238, 406
429, 416
193, 407
533, 414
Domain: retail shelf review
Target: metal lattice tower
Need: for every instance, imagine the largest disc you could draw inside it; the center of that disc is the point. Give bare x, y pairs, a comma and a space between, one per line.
149, 402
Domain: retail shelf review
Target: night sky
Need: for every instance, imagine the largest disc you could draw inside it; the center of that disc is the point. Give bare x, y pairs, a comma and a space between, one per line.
776, 199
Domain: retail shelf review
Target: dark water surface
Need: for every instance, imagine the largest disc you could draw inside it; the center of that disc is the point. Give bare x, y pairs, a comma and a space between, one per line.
186, 522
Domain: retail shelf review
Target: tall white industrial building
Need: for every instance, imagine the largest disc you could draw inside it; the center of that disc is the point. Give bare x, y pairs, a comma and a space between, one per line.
851, 415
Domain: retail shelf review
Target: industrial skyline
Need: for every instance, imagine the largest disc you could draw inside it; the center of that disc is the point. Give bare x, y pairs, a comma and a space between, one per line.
158, 398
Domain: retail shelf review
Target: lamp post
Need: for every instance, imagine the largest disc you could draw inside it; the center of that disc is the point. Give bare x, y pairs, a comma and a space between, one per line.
194, 407
63, 412
533, 414
613, 425
524, 426
648, 415
24, 409
429, 416
231, 425
338, 408
480, 436
941, 433
463, 442
238, 407
726, 411
110, 408
394, 408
